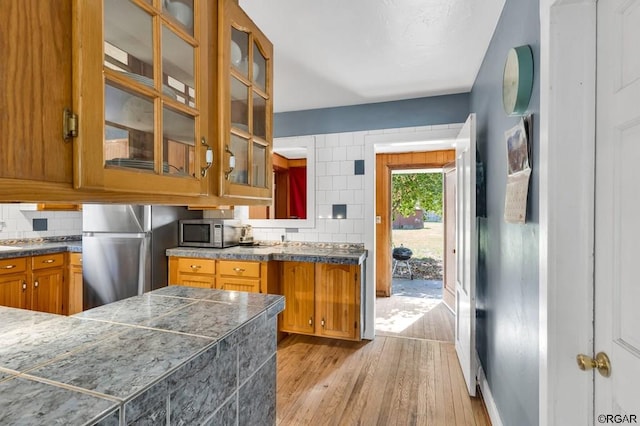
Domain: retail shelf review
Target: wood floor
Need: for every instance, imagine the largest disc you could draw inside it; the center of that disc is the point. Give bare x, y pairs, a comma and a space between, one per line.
394, 379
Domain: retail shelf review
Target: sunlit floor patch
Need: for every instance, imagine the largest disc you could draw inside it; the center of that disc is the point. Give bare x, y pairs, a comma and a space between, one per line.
395, 314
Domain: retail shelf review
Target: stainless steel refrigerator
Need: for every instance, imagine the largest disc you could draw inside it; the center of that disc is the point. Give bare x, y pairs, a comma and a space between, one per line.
123, 249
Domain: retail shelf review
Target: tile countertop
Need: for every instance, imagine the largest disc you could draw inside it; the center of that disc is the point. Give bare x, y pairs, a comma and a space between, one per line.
11, 249
317, 253
83, 369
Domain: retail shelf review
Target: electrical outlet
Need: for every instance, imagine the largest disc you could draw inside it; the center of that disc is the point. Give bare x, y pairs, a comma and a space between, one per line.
2, 225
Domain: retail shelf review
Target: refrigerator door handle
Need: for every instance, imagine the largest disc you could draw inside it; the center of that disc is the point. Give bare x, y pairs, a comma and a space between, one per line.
116, 234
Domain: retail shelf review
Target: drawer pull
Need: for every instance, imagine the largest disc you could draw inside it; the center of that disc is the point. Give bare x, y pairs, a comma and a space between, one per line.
239, 270
196, 266
9, 267
24, 286
36, 284
48, 261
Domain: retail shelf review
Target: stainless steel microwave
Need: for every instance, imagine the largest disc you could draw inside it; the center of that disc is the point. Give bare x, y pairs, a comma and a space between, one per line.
212, 233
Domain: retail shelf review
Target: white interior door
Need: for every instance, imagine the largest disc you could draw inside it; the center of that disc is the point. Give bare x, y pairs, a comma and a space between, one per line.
466, 251
617, 230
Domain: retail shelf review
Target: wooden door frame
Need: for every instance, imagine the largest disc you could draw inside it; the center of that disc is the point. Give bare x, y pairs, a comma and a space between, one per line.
385, 164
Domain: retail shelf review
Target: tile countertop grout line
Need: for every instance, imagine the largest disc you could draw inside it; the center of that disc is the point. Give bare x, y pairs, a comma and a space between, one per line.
79, 348
70, 387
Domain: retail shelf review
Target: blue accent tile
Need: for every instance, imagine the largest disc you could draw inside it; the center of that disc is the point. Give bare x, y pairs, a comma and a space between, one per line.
358, 167
40, 224
339, 211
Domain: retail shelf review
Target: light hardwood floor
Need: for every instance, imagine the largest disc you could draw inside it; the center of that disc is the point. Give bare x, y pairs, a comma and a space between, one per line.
391, 380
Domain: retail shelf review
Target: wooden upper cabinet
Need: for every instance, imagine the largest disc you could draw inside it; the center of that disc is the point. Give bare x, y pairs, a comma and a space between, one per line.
140, 92
35, 70
245, 105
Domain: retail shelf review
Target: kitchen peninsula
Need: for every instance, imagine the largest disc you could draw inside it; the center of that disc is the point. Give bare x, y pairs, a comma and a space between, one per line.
174, 355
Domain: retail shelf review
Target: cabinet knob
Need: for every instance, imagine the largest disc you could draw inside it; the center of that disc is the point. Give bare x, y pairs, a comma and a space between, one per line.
9, 267
48, 261
322, 322
36, 284
196, 266
238, 270
310, 321
24, 286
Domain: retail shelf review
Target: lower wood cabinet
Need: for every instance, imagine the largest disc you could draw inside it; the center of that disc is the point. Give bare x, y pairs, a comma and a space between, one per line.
192, 272
36, 283
74, 284
14, 276
250, 276
321, 299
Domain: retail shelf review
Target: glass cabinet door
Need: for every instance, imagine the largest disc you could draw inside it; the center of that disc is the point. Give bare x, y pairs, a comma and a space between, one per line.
148, 116
246, 127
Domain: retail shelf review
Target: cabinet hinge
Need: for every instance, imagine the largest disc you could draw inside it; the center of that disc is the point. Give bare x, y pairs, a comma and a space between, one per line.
69, 125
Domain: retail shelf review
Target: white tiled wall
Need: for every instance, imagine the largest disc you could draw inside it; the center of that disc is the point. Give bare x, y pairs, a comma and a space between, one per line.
16, 222
336, 183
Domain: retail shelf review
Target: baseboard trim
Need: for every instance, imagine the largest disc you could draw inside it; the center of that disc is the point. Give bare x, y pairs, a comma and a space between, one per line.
489, 402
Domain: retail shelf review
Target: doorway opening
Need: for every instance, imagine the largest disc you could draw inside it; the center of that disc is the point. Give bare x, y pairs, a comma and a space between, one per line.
417, 233
410, 196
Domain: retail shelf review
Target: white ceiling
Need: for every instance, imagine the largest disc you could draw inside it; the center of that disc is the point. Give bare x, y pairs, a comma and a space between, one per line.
336, 53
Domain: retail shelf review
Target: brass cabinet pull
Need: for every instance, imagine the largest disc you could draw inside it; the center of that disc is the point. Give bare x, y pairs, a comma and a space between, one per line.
24, 286
239, 270
36, 284
232, 162
310, 321
48, 261
196, 266
322, 322
9, 267
601, 363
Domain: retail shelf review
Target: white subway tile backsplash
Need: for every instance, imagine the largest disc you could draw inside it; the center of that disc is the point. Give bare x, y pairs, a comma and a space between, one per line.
333, 168
339, 153
339, 182
346, 139
332, 140
325, 183
19, 222
321, 168
324, 154
355, 182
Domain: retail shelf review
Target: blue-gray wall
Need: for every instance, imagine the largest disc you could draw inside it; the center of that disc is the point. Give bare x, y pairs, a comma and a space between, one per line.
382, 115
507, 288
507, 299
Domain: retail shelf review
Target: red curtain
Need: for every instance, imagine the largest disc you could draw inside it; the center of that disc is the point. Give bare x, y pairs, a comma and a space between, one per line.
298, 192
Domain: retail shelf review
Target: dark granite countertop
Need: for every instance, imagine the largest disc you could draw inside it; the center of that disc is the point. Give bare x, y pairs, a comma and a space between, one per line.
353, 254
20, 248
82, 369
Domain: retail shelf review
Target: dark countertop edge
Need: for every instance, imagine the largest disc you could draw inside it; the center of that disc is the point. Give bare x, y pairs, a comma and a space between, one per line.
279, 254
45, 248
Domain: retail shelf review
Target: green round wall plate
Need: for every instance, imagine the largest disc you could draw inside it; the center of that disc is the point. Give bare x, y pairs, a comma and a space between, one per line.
517, 80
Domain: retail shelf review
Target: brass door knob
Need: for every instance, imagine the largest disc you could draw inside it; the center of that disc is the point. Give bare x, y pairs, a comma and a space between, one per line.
601, 362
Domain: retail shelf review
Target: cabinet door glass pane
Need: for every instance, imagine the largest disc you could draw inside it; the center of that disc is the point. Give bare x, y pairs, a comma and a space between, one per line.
240, 148
178, 141
239, 105
259, 116
259, 165
129, 129
259, 68
240, 51
128, 37
178, 68
181, 12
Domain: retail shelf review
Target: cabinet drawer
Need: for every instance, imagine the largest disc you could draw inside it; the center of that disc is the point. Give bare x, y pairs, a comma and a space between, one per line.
233, 284
199, 266
47, 261
75, 259
10, 266
239, 269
